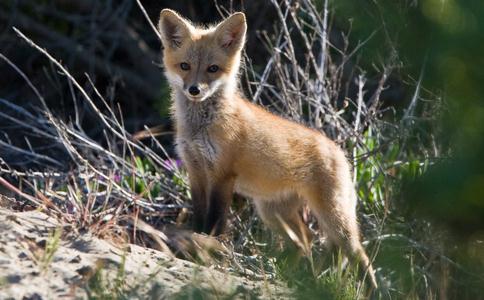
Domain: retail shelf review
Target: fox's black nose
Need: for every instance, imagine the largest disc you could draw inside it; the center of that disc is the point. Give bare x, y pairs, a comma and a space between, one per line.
194, 90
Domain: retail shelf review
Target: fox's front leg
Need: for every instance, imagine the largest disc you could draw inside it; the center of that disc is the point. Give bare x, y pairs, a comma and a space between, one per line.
219, 200
199, 201
198, 188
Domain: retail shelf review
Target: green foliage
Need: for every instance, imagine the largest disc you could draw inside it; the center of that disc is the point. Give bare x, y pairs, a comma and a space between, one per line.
438, 38
145, 167
440, 41
380, 168
368, 170
136, 183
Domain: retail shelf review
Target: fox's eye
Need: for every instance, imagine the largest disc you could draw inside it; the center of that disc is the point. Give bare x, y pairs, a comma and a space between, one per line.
184, 66
212, 69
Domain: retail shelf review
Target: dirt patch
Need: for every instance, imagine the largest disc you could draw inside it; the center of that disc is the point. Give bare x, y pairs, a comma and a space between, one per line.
39, 260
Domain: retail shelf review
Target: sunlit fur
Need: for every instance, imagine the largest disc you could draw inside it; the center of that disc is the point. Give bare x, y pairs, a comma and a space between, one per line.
230, 145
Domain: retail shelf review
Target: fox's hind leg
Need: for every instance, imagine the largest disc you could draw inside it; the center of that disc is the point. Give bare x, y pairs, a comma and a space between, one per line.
282, 216
337, 217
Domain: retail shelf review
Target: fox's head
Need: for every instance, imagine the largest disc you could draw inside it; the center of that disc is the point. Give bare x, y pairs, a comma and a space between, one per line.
199, 62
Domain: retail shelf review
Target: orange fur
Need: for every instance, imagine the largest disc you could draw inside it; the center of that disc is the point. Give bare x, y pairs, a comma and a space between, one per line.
231, 145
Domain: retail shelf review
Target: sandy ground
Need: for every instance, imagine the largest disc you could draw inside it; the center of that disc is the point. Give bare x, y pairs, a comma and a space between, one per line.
82, 266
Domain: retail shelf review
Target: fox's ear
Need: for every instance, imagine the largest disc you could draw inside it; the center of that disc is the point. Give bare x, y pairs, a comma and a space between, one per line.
173, 28
231, 32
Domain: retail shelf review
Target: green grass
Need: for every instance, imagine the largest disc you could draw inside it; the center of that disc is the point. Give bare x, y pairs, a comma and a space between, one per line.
52, 244
330, 281
3, 281
100, 287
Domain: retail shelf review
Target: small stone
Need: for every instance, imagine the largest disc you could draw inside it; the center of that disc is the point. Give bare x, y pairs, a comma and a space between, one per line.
76, 260
13, 278
73, 280
85, 271
42, 243
34, 296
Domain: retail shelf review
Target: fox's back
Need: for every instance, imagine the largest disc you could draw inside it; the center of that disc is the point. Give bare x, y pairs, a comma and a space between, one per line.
273, 153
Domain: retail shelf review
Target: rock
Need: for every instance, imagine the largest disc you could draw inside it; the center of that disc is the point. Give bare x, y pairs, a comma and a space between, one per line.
13, 278
42, 243
33, 296
75, 260
85, 271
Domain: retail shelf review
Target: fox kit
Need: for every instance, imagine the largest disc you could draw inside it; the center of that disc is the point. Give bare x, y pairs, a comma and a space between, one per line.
230, 145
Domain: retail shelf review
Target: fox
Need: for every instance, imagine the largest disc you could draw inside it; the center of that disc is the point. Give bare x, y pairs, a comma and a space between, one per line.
230, 145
